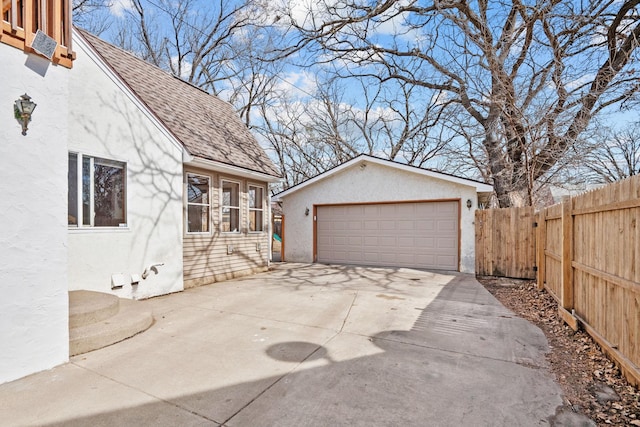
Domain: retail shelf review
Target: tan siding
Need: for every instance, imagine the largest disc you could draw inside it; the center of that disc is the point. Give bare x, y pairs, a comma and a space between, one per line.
206, 259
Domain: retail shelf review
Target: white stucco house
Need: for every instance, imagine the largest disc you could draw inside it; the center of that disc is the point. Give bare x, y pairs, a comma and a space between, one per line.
179, 182
33, 188
145, 184
370, 211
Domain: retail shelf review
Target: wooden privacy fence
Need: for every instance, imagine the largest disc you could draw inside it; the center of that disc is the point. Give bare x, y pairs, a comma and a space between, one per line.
505, 243
588, 257
587, 253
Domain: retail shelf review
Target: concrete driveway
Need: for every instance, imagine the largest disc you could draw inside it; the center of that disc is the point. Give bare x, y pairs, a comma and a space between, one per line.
308, 345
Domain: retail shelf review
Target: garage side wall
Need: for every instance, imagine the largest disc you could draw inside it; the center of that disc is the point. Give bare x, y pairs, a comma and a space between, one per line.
373, 184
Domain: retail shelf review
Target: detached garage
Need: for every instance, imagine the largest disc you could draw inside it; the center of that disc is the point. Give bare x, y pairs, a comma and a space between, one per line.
376, 212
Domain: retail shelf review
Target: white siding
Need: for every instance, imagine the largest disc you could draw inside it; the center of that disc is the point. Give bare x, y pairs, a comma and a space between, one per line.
105, 122
33, 231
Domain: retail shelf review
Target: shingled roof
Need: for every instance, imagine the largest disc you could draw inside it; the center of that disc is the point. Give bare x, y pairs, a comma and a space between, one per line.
205, 125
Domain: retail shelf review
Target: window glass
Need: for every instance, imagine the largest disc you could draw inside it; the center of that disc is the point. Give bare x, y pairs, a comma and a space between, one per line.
256, 212
108, 178
230, 207
198, 204
101, 188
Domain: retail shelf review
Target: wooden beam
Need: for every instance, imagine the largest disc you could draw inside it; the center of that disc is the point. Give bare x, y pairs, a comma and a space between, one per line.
541, 243
567, 255
611, 278
14, 15
628, 368
568, 318
282, 238
624, 204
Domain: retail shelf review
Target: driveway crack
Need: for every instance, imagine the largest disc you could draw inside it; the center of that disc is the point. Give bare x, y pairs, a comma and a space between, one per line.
344, 322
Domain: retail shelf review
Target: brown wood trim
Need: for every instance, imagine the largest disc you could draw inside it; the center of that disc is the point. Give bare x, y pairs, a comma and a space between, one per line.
391, 202
315, 232
282, 237
460, 233
47, 13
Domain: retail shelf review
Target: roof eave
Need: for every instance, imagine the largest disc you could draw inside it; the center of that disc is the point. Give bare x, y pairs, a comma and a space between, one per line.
216, 166
480, 187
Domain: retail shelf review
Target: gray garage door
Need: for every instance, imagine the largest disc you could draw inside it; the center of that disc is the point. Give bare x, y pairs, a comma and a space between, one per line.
418, 235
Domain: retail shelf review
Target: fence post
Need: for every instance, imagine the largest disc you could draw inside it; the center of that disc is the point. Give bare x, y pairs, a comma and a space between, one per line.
566, 297
541, 244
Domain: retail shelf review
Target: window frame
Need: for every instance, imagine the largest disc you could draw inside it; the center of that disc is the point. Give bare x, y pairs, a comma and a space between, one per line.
80, 187
262, 209
223, 206
187, 204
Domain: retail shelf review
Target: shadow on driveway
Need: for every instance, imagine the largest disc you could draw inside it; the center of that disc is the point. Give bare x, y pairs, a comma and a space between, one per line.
462, 359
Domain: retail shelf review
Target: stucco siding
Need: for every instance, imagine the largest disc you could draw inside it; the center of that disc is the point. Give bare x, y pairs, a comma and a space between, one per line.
107, 123
370, 184
33, 231
208, 257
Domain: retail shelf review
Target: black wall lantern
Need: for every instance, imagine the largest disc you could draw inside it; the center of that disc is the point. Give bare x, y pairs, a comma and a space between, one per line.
22, 109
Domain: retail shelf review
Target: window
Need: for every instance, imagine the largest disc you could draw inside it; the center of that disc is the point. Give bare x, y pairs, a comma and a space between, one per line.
22, 19
96, 192
230, 207
256, 208
198, 203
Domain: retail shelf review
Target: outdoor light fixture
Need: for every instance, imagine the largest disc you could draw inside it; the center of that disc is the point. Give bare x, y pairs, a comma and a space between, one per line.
306, 212
22, 109
469, 204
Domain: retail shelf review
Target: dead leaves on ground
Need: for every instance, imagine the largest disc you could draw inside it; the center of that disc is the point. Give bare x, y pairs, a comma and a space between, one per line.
592, 384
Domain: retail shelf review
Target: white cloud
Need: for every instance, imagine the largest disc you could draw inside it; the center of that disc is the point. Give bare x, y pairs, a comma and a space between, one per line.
185, 67
394, 22
440, 98
298, 84
119, 7
580, 81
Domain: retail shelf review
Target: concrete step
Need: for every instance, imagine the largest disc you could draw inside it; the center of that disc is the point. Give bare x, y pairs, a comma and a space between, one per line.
130, 318
86, 307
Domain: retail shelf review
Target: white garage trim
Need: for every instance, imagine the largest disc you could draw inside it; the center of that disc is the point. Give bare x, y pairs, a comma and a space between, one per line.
412, 233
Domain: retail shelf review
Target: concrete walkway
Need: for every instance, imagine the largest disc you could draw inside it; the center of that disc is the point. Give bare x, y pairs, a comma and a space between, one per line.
307, 345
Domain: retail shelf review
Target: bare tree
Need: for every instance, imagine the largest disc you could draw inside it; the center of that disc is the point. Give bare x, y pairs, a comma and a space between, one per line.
312, 134
215, 48
91, 14
615, 154
529, 76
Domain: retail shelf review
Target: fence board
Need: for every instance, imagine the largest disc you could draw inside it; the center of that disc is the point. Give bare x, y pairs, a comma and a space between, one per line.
505, 243
592, 266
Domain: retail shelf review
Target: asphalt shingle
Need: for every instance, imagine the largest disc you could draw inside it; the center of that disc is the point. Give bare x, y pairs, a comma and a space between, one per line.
205, 125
